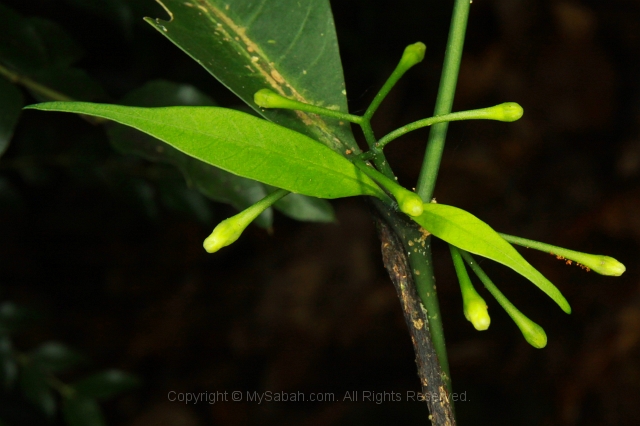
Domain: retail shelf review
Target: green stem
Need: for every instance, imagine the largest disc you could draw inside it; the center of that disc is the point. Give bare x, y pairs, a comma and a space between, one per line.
444, 102
598, 263
509, 111
532, 332
417, 243
34, 86
413, 54
421, 264
266, 98
376, 156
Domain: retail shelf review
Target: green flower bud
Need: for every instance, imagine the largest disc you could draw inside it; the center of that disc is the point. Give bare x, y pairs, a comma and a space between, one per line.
409, 202
229, 230
412, 55
473, 305
603, 265
532, 332
226, 233
475, 311
266, 98
508, 111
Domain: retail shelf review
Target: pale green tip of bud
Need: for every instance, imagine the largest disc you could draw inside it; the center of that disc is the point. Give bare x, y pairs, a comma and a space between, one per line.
508, 111
410, 203
532, 332
413, 54
226, 233
476, 312
266, 98
606, 265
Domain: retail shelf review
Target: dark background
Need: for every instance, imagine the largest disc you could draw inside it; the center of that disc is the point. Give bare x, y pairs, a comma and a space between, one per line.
310, 307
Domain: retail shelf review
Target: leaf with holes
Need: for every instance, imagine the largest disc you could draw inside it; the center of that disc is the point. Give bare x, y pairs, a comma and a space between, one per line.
462, 229
241, 144
288, 46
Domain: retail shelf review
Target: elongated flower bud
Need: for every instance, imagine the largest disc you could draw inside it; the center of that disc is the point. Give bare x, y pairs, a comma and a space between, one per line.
508, 111
413, 54
606, 265
473, 305
532, 332
475, 311
229, 230
266, 98
598, 263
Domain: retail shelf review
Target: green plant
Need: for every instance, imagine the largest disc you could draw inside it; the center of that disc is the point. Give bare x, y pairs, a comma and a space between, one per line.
310, 100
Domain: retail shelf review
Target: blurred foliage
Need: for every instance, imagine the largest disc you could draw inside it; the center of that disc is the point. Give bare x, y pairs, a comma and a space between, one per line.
33, 378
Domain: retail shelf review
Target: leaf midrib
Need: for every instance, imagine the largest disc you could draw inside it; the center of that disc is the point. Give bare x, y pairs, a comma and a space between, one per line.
278, 153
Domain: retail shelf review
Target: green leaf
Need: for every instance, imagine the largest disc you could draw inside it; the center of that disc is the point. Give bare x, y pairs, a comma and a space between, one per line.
106, 384
36, 389
304, 208
464, 230
288, 46
55, 357
10, 107
241, 144
80, 411
214, 183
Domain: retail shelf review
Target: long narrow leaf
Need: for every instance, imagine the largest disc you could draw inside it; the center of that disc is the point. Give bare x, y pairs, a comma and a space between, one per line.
464, 230
241, 144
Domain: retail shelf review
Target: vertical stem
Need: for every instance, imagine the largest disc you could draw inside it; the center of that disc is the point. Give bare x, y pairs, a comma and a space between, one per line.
394, 254
421, 265
425, 280
378, 157
417, 246
446, 91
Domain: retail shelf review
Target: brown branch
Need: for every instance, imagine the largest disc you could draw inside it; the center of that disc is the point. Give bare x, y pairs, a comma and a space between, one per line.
429, 370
